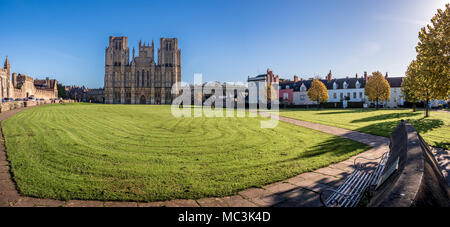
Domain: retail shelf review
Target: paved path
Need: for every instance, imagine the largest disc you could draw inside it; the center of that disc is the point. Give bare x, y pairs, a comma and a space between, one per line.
302, 190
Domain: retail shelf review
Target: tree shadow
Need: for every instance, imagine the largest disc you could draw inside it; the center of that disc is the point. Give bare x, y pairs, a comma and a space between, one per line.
386, 117
336, 147
347, 111
422, 125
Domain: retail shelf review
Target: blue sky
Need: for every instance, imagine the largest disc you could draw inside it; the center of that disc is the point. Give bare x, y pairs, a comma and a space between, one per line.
225, 40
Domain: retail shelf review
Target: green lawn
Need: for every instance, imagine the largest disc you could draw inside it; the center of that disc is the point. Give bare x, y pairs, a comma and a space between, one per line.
142, 153
435, 129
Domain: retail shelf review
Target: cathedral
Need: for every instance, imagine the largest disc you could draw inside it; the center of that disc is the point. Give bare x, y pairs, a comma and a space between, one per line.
143, 80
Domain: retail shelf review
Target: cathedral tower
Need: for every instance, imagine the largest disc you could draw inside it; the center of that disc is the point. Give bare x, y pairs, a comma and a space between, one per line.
117, 57
141, 80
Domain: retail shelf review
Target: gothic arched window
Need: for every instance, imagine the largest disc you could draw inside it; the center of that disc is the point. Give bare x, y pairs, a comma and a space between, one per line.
137, 79
148, 79
143, 77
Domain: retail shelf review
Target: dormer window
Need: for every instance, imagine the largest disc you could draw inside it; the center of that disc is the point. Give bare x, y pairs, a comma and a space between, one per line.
345, 85
335, 85
357, 84
303, 88
287, 86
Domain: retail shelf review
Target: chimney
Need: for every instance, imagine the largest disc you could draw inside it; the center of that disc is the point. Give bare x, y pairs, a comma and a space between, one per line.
365, 75
356, 76
329, 76
386, 75
295, 79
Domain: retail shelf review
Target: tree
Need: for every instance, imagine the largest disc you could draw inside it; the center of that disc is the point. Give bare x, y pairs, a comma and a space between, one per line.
429, 74
62, 91
409, 84
377, 88
318, 92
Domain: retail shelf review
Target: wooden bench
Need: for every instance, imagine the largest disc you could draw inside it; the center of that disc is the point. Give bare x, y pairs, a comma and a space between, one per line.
350, 192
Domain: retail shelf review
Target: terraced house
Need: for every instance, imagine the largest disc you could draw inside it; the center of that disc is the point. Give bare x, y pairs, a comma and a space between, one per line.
349, 89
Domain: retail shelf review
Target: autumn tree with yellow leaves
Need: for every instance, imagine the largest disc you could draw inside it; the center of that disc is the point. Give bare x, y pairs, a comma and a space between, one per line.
428, 77
318, 92
377, 88
409, 84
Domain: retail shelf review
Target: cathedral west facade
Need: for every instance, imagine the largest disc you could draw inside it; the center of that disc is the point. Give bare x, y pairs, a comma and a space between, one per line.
141, 80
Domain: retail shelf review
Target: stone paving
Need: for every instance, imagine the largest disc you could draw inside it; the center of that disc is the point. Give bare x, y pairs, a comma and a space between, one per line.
299, 191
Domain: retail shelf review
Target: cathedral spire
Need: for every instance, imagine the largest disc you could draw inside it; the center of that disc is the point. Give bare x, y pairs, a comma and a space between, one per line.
7, 65
133, 52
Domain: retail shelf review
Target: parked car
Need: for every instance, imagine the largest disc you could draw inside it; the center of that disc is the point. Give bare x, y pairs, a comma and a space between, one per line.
8, 100
372, 105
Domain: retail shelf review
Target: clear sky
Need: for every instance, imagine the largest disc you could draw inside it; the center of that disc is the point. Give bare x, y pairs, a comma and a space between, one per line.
225, 40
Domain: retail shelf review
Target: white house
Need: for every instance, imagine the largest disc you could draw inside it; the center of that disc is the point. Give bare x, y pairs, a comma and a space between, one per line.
340, 89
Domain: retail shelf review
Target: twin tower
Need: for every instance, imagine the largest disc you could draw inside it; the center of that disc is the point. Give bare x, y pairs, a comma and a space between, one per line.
143, 80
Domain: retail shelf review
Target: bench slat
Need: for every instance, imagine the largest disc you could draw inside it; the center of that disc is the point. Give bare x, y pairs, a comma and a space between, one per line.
349, 193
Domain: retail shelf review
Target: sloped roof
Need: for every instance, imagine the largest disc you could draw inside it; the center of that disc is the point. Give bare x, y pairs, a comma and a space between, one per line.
351, 82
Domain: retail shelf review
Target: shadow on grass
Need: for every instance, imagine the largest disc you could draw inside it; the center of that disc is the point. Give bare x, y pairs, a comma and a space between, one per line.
336, 147
422, 125
386, 117
347, 111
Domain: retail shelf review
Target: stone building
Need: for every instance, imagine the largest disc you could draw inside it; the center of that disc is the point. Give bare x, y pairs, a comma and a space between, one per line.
264, 79
143, 80
5, 80
96, 95
19, 86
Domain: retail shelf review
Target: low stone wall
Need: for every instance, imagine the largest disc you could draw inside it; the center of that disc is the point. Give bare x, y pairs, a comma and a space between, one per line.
418, 180
20, 104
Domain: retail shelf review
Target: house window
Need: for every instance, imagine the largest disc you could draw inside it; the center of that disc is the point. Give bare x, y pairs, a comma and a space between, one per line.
285, 95
354, 95
334, 95
348, 95
360, 95
342, 95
